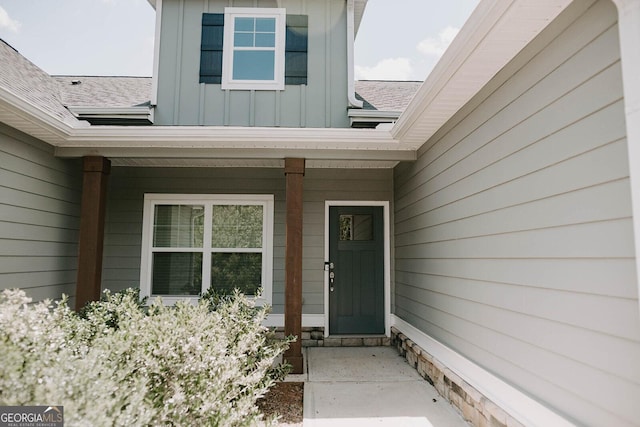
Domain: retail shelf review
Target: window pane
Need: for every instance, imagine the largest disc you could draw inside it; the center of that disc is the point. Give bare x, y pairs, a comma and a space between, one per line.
253, 65
245, 24
237, 226
356, 227
236, 270
176, 273
178, 226
266, 25
265, 40
243, 40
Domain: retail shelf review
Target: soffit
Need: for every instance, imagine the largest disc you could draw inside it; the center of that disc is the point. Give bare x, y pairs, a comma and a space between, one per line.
359, 6
492, 36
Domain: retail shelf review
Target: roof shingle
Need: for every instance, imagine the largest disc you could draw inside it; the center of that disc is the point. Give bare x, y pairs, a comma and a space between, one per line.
25, 80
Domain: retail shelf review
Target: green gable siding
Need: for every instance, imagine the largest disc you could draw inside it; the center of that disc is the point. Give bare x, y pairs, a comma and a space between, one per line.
185, 99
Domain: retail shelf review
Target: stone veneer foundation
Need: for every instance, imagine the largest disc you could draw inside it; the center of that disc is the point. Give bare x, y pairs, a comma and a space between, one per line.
474, 407
314, 337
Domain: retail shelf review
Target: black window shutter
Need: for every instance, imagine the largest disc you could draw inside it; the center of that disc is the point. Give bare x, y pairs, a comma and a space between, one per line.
295, 49
211, 48
295, 57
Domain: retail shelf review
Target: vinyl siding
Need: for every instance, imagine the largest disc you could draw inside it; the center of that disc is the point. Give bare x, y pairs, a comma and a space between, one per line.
39, 217
513, 230
182, 100
125, 204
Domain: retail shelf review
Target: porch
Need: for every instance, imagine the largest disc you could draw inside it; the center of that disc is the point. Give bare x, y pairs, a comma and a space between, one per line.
364, 386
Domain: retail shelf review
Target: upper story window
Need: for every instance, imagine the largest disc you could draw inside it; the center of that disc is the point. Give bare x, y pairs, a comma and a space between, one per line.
253, 53
254, 49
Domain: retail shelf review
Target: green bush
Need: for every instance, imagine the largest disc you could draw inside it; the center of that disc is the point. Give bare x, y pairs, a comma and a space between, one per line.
121, 363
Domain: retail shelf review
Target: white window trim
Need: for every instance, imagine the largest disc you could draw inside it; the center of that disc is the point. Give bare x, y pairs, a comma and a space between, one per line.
150, 200
230, 13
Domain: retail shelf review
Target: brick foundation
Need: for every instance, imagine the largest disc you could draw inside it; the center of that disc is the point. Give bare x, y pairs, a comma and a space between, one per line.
473, 406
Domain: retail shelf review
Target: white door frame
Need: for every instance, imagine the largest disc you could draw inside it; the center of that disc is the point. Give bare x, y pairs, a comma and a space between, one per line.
387, 257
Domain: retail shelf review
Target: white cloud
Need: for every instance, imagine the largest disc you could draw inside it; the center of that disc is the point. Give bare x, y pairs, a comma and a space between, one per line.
386, 69
6, 22
436, 46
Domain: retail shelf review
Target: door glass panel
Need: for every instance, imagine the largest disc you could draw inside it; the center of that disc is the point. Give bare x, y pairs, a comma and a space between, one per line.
356, 227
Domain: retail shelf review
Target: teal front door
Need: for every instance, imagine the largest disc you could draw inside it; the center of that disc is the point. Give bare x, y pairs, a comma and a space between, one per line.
356, 270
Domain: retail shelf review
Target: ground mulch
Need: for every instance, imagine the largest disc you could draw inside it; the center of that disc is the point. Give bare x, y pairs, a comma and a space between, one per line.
284, 399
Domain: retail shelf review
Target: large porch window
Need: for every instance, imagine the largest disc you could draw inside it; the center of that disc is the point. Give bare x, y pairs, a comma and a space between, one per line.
195, 242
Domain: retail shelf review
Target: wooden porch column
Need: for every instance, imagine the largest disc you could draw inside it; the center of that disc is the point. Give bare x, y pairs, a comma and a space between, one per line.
92, 211
294, 172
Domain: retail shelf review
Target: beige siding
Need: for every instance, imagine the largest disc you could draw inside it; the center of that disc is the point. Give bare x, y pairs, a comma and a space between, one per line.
125, 203
513, 231
39, 217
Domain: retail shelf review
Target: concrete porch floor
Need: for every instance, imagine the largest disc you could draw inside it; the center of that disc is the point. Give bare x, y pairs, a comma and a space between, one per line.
365, 386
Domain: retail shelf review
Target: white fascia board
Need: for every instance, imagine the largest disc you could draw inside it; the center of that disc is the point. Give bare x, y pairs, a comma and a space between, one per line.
629, 33
33, 120
493, 35
136, 113
233, 142
179, 151
360, 6
108, 111
373, 115
231, 136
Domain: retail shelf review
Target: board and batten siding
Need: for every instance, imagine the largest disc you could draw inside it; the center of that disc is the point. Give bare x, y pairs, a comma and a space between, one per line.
123, 230
513, 229
39, 217
182, 100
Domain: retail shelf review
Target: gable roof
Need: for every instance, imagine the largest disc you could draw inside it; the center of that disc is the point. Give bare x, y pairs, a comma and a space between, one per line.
385, 95
103, 91
116, 91
20, 78
495, 33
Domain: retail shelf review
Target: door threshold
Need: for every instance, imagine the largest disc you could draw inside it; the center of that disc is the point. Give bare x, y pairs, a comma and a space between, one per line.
358, 336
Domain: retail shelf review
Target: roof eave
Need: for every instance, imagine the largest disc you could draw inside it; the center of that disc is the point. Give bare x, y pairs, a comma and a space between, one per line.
232, 142
493, 35
26, 117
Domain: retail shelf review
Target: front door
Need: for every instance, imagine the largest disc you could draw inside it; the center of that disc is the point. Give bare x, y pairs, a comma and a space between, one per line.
356, 270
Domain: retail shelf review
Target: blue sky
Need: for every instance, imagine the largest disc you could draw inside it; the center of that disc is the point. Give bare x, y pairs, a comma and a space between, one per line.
398, 39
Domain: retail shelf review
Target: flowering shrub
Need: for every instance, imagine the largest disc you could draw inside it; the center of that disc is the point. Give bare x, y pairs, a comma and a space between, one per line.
120, 363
